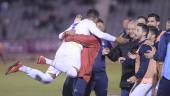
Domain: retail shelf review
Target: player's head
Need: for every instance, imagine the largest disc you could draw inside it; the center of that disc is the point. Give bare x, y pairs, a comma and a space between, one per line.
141, 19
153, 20
78, 18
141, 31
168, 24
125, 23
92, 14
131, 28
153, 33
100, 24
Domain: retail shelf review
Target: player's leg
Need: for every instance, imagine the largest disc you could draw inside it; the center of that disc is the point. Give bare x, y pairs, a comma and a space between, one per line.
68, 69
68, 86
101, 84
79, 87
67, 60
33, 73
124, 92
90, 87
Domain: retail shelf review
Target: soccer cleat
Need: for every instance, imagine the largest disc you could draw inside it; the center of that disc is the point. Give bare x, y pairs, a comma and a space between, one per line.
41, 60
14, 68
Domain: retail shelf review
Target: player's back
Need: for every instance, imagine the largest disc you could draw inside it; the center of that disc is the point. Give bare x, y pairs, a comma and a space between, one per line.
83, 27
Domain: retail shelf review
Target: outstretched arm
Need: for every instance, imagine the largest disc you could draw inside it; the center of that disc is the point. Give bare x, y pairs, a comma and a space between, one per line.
144, 61
95, 31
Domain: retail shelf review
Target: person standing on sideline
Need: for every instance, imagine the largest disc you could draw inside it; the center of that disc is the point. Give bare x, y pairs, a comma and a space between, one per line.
164, 56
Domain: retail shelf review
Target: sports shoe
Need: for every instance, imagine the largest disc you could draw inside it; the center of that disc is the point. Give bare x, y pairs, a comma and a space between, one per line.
41, 60
14, 68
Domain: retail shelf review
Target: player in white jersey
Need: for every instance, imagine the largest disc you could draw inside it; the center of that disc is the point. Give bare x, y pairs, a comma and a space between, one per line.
36, 74
68, 56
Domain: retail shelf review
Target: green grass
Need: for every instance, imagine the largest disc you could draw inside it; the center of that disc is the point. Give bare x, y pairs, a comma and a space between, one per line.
21, 85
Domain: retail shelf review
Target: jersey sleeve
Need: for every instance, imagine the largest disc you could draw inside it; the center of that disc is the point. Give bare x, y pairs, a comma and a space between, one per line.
61, 34
95, 31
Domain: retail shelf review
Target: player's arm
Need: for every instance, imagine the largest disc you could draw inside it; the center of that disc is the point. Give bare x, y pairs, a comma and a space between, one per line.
114, 54
85, 40
95, 31
62, 33
144, 61
161, 52
143, 66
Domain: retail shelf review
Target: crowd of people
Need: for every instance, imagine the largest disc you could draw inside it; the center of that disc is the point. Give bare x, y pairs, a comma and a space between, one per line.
142, 48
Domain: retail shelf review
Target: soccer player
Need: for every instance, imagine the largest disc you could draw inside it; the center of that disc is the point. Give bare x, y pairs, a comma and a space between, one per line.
67, 58
145, 68
98, 79
154, 20
38, 75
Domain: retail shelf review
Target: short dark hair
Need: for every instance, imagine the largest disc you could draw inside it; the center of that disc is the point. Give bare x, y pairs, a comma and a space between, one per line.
154, 30
157, 18
144, 27
168, 19
92, 13
143, 17
100, 20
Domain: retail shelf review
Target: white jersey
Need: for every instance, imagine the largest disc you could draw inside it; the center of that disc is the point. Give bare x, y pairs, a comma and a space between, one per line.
69, 53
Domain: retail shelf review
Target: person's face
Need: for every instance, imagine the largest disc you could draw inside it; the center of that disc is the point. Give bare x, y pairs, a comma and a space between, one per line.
101, 26
151, 36
141, 20
152, 22
95, 19
168, 25
125, 23
138, 33
131, 29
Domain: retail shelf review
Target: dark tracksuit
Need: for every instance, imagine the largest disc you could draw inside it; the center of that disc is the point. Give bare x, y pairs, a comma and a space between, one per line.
98, 81
128, 66
162, 55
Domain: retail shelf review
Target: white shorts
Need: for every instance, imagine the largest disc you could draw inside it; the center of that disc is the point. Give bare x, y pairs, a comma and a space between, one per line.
140, 89
68, 55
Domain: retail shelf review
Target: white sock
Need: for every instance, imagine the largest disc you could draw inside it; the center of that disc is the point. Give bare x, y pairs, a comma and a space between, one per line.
36, 74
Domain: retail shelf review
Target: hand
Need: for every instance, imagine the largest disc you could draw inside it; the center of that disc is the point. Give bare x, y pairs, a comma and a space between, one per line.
132, 56
121, 59
105, 51
132, 79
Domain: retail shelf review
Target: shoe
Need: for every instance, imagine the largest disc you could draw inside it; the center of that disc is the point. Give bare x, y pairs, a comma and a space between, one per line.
41, 60
14, 68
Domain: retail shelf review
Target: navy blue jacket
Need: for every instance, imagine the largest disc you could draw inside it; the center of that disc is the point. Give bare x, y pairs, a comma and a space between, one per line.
161, 51
99, 65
